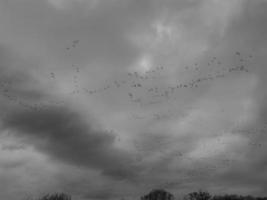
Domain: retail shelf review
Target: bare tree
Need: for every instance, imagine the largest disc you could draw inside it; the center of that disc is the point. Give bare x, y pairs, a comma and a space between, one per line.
158, 194
200, 195
56, 196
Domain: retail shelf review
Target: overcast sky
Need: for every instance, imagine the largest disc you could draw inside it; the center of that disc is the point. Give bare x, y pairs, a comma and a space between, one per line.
108, 99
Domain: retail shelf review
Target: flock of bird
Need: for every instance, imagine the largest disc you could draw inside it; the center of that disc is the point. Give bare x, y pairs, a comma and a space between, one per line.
143, 89
145, 83
142, 82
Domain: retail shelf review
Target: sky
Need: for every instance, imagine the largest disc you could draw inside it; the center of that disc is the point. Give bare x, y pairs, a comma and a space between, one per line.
109, 99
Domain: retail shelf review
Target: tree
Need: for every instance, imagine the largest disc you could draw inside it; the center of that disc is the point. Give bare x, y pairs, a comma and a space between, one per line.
56, 196
158, 194
200, 195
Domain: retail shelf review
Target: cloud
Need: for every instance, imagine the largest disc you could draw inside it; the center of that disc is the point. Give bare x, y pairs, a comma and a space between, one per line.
58, 130
66, 136
54, 54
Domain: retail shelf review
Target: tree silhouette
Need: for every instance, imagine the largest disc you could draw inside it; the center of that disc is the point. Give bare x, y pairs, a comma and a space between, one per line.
56, 196
158, 194
200, 195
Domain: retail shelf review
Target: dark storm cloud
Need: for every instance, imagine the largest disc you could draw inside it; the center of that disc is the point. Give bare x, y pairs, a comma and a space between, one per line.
56, 130
66, 136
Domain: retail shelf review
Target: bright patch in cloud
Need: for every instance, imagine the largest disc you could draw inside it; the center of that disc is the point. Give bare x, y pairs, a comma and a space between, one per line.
144, 64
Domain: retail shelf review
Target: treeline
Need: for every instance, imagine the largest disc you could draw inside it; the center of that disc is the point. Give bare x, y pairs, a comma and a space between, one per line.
160, 194
56, 196
237, 197
203, 195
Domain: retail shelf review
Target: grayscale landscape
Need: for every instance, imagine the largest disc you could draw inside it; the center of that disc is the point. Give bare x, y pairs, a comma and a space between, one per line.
133, 99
